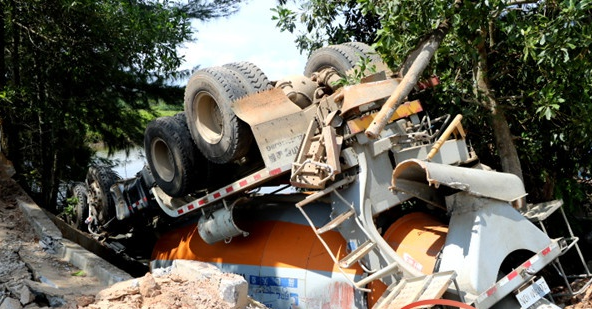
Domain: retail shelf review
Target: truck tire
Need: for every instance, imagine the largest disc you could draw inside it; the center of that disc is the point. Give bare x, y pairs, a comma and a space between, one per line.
250, 76
80, 209
218, 133
98, 181
340, 57
368, 52
172, 156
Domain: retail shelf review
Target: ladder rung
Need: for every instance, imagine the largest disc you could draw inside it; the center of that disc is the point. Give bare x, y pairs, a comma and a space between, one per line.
335, 222
325, 191
357, 254
409, 292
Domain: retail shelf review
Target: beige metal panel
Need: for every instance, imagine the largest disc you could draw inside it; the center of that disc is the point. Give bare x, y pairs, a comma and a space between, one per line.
279, 139
360, 94
264, 106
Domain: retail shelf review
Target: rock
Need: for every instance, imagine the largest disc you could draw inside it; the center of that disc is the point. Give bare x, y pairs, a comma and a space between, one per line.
85, 300
163, 271
54, 296
194, 270
26, 297
120, 289
149, 287
233, 289
10, 303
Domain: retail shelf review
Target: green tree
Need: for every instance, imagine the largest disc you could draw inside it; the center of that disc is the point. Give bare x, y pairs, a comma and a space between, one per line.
520, 72
327, 21
76, 66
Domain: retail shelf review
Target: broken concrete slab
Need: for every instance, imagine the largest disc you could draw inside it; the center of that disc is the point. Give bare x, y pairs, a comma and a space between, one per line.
234, 290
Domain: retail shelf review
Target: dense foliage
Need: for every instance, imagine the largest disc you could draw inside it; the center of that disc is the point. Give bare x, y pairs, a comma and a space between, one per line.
76, 66
519, 71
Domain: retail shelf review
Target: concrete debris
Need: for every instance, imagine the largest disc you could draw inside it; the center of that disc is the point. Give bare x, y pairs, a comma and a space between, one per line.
194, 270
52, 295
233, 290
10, 303
149, 287
186, 284
26, 297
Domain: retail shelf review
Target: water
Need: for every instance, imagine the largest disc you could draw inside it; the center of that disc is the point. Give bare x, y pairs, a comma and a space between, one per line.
127, 165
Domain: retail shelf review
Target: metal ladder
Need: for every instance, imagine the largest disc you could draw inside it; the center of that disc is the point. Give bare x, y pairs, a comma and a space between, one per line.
401, 292
416, 289
538, 213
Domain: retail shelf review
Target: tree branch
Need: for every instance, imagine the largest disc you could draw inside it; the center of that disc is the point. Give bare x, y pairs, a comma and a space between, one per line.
34, 32
520, 2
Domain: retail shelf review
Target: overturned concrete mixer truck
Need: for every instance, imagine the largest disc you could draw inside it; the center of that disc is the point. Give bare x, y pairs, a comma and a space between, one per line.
279, 182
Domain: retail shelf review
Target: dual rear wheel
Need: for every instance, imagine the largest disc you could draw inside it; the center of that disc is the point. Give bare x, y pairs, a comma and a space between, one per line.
220, 138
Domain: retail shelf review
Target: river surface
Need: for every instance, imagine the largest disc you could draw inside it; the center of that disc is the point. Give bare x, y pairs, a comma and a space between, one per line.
127, 164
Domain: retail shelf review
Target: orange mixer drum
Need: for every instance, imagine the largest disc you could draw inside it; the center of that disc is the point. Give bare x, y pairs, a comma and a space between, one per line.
284, 263
287, 267
417, 238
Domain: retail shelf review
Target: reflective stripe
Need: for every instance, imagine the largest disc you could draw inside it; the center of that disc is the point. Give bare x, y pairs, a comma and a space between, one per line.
510, 281
250, 181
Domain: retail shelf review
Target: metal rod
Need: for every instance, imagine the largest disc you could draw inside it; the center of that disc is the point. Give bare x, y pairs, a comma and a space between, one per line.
577, 247
445, 135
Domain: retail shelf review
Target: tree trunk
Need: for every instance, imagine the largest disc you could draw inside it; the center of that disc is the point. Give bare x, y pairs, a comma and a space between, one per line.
11, 124
16, 43
2, 45
501, 129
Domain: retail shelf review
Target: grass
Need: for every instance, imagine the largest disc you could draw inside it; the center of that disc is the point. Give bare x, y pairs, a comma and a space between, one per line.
161, 110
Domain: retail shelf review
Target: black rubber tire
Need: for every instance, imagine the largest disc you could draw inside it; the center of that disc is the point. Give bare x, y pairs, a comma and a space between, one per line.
340, 57
250, 76
80, 211
99, 180
218, 133
172, 156
368, 52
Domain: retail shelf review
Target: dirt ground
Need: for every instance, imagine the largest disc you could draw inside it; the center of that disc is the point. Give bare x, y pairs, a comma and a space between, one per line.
31, 277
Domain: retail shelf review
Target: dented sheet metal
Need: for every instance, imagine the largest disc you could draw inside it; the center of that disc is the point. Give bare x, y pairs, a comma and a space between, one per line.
477, 182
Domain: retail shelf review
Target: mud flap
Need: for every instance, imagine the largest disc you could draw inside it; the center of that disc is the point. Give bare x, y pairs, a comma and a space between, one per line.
277, 123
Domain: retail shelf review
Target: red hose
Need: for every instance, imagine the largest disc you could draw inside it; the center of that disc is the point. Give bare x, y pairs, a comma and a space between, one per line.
446, 302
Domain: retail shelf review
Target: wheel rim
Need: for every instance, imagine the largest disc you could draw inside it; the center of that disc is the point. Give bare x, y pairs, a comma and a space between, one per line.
163, 160
95, 198
208, 118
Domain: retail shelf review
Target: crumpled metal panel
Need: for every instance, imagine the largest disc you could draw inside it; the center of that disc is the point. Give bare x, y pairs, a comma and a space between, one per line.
482, 183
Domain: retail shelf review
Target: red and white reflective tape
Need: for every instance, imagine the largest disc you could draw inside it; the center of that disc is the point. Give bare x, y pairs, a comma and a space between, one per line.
531, 266
237, 186
143, 200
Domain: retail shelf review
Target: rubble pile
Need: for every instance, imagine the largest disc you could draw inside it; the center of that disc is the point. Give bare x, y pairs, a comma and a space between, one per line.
186, 284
